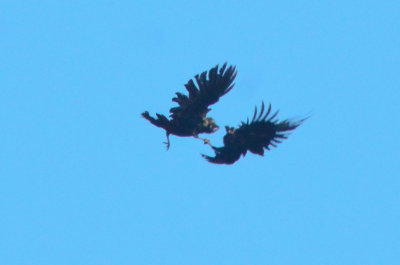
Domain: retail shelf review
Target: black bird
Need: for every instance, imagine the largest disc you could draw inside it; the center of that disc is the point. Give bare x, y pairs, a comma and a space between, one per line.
189, 118
262, 132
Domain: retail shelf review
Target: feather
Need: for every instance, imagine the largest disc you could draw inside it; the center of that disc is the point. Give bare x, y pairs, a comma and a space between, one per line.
189, 118
259, 134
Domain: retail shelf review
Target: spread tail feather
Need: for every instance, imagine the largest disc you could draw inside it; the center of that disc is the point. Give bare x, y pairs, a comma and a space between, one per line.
161, 120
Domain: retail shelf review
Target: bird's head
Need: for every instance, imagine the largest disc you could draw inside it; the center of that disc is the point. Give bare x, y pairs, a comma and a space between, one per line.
210, 126
229, 130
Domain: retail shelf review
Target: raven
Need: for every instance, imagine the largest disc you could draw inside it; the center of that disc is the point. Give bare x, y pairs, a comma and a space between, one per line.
189, 118
262, 132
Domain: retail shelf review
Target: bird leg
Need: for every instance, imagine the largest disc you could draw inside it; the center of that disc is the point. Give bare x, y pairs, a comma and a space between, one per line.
167, 142
205, 140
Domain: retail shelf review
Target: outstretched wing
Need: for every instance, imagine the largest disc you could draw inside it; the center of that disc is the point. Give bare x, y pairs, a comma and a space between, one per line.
206, 93
256, 135
263, 131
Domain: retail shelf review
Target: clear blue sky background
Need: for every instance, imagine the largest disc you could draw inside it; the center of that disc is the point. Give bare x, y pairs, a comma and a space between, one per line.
85, 180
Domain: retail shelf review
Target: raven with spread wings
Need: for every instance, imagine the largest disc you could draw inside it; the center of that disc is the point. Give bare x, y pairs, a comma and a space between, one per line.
262, 132
189, 118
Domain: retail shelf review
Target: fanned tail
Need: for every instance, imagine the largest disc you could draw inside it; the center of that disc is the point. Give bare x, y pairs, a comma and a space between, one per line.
161, 120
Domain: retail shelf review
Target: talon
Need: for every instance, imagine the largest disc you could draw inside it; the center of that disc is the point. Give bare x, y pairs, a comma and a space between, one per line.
166, 143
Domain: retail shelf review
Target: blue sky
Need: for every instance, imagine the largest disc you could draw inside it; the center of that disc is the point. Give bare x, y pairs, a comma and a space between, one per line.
85, 180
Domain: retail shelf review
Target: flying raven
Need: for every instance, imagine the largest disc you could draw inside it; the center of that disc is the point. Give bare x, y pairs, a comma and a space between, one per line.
262, 132
189, 118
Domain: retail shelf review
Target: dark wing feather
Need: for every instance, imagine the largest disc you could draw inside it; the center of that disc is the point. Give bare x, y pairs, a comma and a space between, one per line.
206, 93
264, 131
255, 136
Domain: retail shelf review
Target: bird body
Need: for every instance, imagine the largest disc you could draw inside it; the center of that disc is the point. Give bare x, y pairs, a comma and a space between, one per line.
255, 136
185, 126
189, 118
